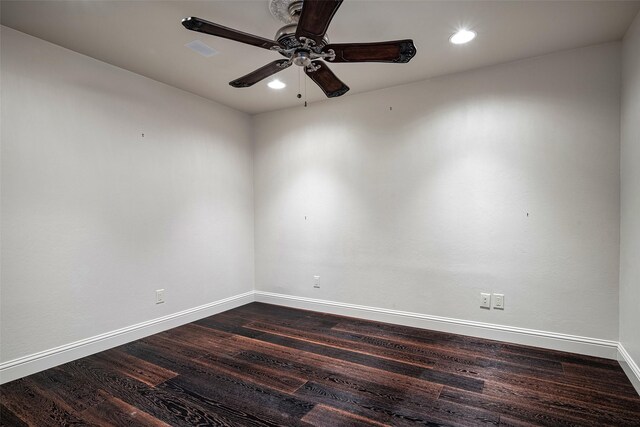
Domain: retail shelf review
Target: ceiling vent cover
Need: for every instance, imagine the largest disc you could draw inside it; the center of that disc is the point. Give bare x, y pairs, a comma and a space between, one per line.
202, 48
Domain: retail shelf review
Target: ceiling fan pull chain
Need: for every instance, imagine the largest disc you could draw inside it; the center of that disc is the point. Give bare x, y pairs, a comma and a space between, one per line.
305, 91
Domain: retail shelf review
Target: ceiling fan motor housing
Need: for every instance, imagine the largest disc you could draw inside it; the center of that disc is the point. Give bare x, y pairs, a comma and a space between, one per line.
286, 36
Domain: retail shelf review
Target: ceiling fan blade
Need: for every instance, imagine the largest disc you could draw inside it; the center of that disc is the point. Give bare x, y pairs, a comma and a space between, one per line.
328, 82
399, 51
261, 73
315, 18
202, 26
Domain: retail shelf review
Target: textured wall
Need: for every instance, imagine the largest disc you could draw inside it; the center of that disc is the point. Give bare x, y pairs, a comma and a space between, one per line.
95, 217
419, 197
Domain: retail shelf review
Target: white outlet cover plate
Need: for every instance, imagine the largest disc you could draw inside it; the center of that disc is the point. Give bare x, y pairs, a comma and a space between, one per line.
159, 296
498, 301
485, 300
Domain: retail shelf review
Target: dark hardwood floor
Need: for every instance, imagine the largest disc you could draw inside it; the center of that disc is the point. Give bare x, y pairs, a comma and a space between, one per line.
264, 365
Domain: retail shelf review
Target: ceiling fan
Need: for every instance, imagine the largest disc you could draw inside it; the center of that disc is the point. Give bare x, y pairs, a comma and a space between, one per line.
304, 42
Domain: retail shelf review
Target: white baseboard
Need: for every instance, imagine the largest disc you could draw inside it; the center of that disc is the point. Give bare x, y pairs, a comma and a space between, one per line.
550, 340
629, 366
40, 361
27, 365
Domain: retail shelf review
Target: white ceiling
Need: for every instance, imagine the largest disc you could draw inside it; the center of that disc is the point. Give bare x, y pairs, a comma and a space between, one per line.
146, 37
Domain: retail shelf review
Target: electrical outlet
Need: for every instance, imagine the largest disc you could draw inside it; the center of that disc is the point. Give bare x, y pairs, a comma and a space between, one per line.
159, 296
498, 301
485, 300
316, 282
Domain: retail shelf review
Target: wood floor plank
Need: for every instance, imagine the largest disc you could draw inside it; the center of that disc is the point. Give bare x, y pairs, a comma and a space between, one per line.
174, 405
391, 397
211, 364
587, 411
133, 367
506, 421
615, 378
386, 364
167, 344
77, 394
525, 412
266, 365
607, 397
172, 408
358, 377
560, 356
431, 413
114, 412
308, 365
260, 402
9, 419
397, 393
218, 368
327, 416
251, 372
558, 385
176, 361
519, 368
33, 406
228, 324
193, 334
222, 413
528, 361
411, 352
329, 339
464, 344
351, 402
307, 321
254, 310
618, 382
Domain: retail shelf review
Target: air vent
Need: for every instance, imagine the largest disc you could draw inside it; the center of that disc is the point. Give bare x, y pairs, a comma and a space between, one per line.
202, 48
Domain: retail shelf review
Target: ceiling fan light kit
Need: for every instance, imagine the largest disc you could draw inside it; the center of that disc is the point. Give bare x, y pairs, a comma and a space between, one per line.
303, 41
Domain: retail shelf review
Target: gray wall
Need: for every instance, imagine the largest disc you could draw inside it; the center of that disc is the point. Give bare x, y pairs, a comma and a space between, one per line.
630, 196
416, 197
95, 217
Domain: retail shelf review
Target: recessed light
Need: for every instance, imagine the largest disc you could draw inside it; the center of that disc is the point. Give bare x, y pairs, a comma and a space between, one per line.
462, 36
276, 84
